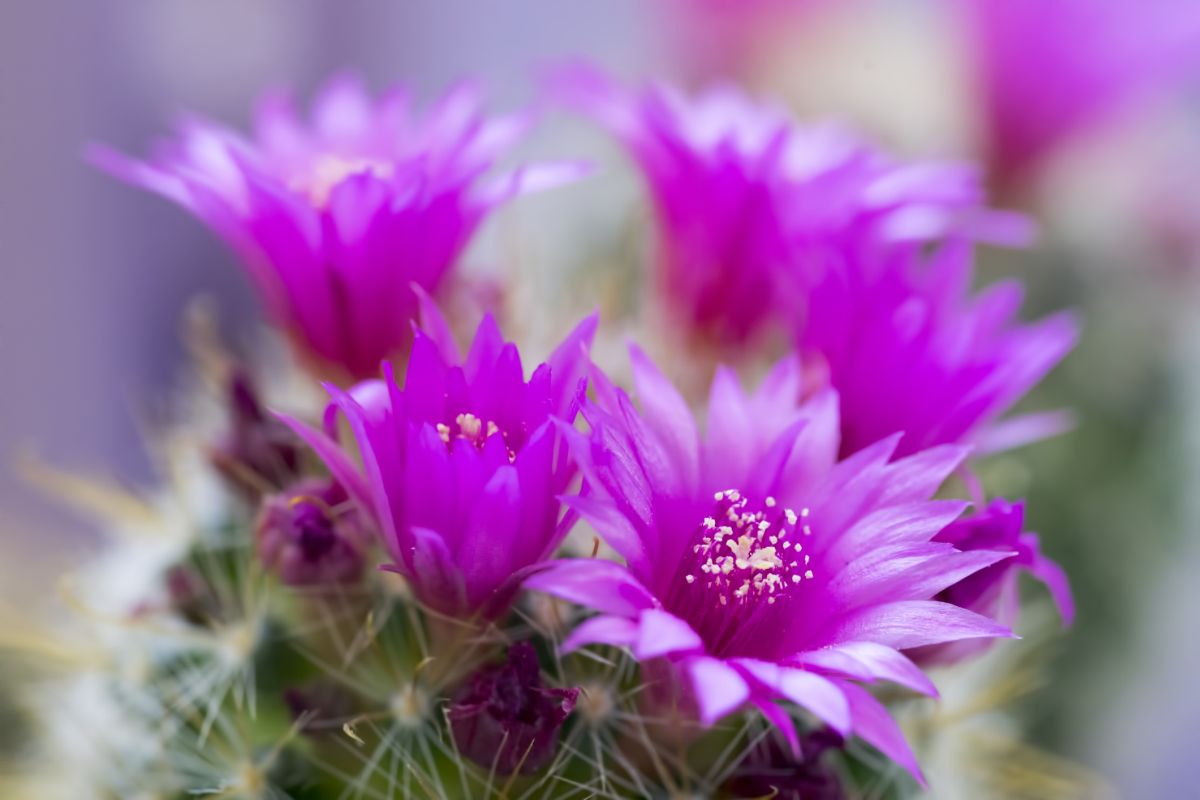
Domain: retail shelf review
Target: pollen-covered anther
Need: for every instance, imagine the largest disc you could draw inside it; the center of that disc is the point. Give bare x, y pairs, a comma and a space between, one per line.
469, 428
470, 425
743, 559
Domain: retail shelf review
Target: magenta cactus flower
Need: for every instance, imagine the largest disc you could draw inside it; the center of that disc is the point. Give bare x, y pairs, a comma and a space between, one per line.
910, 351
748, 202
334, 220
1050, 69
758, 565
462, 468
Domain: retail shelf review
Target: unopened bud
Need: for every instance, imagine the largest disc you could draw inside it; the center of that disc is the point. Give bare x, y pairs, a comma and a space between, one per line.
258, 453
772, 770
504, 716
311, 535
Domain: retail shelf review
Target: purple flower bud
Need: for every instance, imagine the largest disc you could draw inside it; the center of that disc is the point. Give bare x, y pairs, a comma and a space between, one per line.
993, 591
771, 770
258, 451
504, 716
310, 534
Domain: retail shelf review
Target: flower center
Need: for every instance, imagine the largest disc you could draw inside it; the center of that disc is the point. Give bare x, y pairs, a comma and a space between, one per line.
475, 431
329, 170
468, 427
744, 560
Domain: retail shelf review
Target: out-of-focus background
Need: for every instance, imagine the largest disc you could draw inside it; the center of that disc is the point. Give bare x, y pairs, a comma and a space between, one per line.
1096, 133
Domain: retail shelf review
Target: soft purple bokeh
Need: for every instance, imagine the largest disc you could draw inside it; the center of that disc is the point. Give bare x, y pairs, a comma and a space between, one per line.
1047, 70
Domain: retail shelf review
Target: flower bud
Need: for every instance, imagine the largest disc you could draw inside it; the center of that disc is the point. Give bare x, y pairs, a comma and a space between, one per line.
311, 535
503, 715
258, 451
993, 591
771, 770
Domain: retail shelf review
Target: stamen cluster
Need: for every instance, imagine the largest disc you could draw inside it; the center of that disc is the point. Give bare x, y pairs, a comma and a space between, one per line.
746, 555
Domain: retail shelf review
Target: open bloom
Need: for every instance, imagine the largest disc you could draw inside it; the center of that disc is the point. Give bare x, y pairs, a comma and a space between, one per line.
462, 467
757, 564
336, 219
747, 201
910, 350
1049, 69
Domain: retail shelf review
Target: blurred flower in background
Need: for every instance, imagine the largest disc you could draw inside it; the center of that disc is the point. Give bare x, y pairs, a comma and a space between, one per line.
751, 207
335, 222
1049, 71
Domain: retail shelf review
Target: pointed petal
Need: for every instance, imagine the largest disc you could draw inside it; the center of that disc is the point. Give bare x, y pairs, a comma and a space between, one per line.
731, 431
1025, 429
344, 470
667, 414
531, 178
1055, 579
485, 348
569, 364
661, 633
485, 554
913, 623
909, 524
908, 572
718, 687
873, 723
434, 578
594, 583
869, 662
782, 720
435, 326
815, 449
809, 690
918, 476
616, 631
